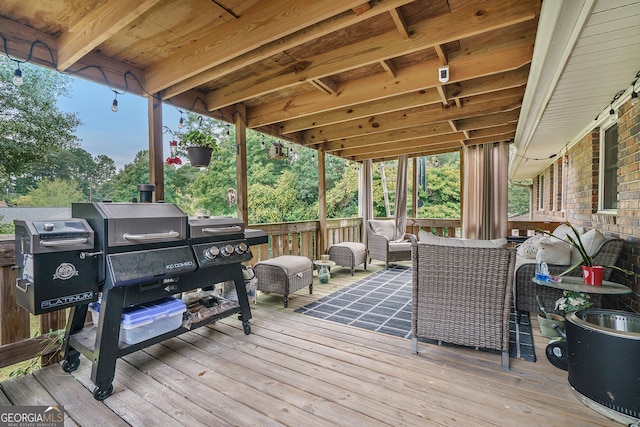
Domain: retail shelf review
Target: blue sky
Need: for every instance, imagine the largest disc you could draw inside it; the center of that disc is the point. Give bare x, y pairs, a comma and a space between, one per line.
118, 135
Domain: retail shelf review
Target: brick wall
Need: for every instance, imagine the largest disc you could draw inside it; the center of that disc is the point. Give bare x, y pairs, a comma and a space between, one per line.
581, 170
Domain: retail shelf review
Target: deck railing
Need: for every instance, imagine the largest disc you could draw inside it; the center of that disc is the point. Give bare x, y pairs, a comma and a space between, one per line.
292, 238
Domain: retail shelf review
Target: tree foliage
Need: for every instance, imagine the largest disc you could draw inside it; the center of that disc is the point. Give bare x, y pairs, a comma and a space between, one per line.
56, 192
32, 128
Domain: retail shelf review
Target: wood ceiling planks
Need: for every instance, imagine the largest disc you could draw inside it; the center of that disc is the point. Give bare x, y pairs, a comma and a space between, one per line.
357, 78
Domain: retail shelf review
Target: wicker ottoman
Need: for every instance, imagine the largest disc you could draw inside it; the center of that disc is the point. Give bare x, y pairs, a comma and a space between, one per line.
348, 254
284, 275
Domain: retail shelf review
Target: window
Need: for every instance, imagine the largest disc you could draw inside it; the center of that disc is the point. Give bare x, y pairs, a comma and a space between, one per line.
541, 192
609, 175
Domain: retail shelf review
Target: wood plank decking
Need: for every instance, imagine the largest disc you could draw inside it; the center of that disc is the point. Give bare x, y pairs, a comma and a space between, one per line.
296, 370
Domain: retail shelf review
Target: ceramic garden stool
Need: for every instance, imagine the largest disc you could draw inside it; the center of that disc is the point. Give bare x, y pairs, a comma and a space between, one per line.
348, 254
284, 275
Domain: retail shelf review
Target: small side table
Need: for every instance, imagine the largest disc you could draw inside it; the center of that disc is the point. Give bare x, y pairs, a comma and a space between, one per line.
323, 270
574, 283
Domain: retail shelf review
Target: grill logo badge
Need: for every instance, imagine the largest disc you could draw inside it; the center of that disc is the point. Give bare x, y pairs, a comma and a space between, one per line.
65, 271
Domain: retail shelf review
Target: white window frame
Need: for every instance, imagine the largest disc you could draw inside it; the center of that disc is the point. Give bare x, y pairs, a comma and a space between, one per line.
601, 163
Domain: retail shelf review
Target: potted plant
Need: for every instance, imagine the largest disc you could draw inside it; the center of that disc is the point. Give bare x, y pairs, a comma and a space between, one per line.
199, 144
591, 273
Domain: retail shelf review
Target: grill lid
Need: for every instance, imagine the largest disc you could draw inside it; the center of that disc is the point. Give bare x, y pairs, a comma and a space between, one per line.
56, 235
216, 226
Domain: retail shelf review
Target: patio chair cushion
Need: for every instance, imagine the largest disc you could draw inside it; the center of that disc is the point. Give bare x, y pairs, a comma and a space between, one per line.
425, 237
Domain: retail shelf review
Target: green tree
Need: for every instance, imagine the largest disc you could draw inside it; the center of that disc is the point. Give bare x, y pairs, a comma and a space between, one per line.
519, 197
52, 193
441, 199
124, 185
32, 128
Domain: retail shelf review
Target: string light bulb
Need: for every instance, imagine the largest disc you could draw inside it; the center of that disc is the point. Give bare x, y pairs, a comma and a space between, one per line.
181, 122
114, 105
262, 145
634, 98
612, 111
228, 130
17, 76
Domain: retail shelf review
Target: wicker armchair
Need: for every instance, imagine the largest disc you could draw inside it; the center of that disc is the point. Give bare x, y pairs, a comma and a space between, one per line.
526, 290
462, 295
381, 243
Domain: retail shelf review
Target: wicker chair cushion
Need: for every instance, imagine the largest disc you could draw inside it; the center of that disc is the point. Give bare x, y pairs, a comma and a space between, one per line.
290, 264
400, 247
428, 238
355, 247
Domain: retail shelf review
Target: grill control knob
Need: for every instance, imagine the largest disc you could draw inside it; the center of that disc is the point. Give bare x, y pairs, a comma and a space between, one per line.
227, 250
212, 252
48, 226
241, 248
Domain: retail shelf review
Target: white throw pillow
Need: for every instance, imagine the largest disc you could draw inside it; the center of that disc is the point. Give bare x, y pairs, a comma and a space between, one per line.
529, 248
554, 252
429, 238
592, 240
563, 230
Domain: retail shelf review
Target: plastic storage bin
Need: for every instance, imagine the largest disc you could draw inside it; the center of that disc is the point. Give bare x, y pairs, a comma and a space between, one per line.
148, 320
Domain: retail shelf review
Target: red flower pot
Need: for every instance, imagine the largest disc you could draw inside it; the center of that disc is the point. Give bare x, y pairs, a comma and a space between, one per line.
593, 275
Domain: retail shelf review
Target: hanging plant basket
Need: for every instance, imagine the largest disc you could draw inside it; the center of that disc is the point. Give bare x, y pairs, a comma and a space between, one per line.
199, 156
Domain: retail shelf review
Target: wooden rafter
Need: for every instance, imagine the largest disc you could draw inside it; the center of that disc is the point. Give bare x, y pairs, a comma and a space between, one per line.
428, 34
97, 26
401, 24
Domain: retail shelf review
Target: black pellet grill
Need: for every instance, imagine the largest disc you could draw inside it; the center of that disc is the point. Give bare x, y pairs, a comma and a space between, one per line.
130, 253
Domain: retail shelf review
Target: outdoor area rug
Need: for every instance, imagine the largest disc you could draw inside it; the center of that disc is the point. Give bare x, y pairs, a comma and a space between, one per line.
382, 302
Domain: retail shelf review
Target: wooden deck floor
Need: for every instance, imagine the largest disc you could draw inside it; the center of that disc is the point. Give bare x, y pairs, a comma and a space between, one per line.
296, 370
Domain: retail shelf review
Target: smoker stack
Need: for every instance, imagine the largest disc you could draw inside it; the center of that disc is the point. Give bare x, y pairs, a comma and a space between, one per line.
132, 253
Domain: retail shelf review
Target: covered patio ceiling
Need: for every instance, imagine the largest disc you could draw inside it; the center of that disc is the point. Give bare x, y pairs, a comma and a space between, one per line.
357, 79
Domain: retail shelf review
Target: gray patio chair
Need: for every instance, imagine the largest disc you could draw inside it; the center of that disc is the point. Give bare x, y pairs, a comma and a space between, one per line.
462, 295
383, 244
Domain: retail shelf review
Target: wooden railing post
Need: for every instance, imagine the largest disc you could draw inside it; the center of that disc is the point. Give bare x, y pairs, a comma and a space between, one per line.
14, 320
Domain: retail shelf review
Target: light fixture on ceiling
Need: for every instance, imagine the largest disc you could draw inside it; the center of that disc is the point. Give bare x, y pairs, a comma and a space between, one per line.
17, 76
443, 74
114, 104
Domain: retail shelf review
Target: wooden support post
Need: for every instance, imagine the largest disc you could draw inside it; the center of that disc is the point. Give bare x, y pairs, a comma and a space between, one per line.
156, 161
239, 119
414, 191
322, 203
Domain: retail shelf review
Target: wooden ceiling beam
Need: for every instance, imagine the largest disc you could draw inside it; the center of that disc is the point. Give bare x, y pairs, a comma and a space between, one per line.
488, 120
441, 54
447, 143
267, 50
271, 32
474, 87
468, 65
394, 156
240, 36
97, 26
494, 130
404, 134
19, 46
475, 106
401, 24
440, 141
435, 31
490, 139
